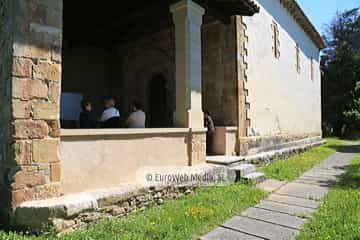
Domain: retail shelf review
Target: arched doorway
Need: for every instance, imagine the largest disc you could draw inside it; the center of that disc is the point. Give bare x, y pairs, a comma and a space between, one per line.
157, 115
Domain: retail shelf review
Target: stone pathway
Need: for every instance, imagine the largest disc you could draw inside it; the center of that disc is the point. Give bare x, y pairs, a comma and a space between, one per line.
282, 215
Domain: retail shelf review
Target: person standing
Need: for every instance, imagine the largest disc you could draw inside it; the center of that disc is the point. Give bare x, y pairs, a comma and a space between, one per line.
209, 125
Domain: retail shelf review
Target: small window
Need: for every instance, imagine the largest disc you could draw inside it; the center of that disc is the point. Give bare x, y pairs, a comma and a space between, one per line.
298, 67
312, 69
276, 40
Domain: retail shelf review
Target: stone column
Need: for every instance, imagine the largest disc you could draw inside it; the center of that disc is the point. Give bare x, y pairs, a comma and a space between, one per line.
31, 167
187, 17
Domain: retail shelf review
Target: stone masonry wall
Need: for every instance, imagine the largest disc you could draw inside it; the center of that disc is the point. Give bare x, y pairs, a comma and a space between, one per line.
136, 63
219, 72
32, 169
242, 79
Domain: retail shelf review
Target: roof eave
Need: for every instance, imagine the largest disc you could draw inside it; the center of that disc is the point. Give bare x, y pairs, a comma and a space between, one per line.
295, 10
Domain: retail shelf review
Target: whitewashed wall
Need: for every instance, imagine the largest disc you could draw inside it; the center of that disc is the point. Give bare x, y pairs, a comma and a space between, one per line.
282, 101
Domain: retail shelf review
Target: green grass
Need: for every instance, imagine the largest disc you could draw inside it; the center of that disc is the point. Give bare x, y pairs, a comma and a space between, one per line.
293, 167
186, 218
338, 217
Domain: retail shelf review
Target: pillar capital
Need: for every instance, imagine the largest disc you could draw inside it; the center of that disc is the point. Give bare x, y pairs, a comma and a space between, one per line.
187, 6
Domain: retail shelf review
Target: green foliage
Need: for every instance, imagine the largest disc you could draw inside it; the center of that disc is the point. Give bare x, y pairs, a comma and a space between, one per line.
341, 68
185, 218
339, 216
352, 115
292, 168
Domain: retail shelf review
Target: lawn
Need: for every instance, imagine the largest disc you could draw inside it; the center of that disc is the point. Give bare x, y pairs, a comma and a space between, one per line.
339, 216
186, 218
293, 167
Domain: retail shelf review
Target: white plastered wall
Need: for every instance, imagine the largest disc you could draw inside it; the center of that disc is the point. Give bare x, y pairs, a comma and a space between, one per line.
282, 101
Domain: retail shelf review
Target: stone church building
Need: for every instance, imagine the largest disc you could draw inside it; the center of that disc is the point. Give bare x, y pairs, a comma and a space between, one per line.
253, 65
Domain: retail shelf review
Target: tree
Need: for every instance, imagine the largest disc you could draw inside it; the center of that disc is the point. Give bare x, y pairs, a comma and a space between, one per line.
341, 68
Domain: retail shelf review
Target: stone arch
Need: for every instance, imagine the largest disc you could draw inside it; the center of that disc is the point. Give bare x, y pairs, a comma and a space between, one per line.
139, 69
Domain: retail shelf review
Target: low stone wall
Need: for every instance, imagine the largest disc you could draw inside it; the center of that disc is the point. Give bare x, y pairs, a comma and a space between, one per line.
76, 211
258, 144
292, 149
100, 158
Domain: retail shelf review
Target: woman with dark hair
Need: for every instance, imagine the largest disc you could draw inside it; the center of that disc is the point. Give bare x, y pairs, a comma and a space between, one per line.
87, 119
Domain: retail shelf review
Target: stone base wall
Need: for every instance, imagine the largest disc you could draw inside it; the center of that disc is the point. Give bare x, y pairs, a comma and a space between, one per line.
258, 144
112, 208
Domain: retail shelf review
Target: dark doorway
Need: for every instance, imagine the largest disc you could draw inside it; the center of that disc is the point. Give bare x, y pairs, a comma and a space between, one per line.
157, 116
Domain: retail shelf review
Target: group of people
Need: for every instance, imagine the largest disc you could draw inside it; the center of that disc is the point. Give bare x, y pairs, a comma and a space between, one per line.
110, 117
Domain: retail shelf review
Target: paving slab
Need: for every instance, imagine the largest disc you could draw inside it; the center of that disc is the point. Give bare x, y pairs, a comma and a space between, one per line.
325, 172
319, 176
283, 213
271, 185
261, 229
293, 201
303, 191
285, 208
281, 219
228, 234
320, 183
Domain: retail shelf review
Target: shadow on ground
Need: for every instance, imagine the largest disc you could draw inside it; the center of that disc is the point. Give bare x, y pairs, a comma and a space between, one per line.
346, 148
350, 179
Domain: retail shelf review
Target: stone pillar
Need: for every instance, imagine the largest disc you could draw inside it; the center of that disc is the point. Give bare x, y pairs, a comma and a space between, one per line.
31, 167
187, 17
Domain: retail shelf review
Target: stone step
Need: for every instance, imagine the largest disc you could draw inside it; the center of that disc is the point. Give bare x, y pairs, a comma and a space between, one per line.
255, 177
243, 169
224, 160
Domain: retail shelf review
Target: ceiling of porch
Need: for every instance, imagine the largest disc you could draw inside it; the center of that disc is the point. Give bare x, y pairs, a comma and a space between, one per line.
115, 21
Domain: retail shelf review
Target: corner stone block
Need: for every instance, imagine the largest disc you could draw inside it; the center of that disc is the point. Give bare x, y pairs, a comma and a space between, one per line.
46, 151
22, 67
22, 152
24, 179
54, 126
198, 148
47, 71
31, 51
29, 129
28, 89
21, 109
46, 111
54, 92
55, 172
20, 196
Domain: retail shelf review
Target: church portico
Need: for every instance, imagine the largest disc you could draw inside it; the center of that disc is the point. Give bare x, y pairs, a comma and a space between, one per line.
151, 51
177, 58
